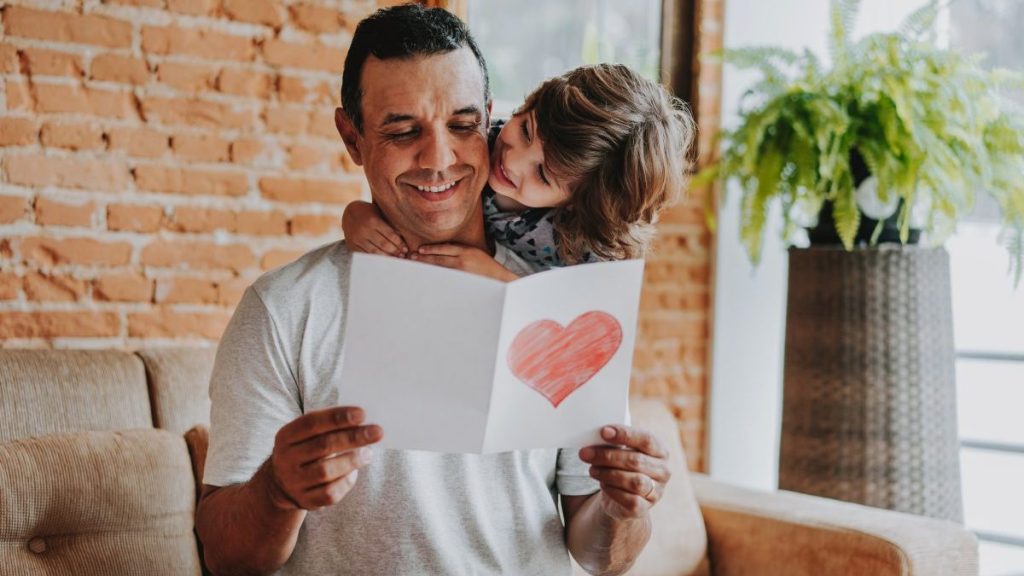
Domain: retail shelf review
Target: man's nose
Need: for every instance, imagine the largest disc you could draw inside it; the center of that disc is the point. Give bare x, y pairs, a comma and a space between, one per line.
438, 151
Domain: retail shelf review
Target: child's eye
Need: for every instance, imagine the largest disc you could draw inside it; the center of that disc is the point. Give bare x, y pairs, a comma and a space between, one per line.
543, 178
526, 130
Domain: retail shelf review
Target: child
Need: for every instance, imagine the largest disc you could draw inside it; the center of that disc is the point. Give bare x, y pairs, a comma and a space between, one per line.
578, 174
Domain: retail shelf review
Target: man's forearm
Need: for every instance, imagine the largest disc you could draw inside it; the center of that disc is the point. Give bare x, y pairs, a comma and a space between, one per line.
605, 545
243, 530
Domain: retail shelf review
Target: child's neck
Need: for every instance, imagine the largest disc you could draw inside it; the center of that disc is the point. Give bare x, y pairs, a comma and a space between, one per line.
507, 204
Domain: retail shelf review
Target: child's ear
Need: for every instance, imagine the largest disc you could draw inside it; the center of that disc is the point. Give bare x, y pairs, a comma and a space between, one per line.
349, 135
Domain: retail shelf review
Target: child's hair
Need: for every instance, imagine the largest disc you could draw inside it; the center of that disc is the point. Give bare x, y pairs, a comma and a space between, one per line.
621, 143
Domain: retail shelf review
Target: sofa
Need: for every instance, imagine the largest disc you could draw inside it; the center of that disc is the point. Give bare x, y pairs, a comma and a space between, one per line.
101, 456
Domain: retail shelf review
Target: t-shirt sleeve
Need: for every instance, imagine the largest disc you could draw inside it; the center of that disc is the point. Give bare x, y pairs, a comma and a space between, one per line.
573, 475
253, 392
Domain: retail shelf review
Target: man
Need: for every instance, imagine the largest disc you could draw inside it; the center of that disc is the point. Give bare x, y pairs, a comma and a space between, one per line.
291, 483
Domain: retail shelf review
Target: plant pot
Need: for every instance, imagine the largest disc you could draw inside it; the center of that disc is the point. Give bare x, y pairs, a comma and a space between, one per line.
869, 403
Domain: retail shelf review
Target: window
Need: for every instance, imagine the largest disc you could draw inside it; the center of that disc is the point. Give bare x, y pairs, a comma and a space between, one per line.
989, 328
527, 41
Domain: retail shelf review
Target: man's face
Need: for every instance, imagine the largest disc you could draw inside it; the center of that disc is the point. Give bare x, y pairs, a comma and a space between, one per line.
423, 145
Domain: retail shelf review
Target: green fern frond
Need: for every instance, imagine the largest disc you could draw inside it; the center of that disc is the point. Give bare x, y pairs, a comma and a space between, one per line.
921, 23
843, 17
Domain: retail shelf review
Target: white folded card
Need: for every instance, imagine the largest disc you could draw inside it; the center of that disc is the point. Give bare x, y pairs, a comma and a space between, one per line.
448, 361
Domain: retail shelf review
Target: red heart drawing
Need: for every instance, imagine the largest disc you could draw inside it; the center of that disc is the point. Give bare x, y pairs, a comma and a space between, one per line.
555, 361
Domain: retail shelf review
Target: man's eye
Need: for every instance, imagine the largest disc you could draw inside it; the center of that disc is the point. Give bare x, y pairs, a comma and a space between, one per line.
471, 127
401, 135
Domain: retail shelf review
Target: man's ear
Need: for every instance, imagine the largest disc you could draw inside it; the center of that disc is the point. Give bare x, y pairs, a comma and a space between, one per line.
349, 135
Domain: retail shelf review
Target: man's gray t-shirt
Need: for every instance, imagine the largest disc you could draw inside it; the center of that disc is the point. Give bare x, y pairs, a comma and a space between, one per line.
410, 512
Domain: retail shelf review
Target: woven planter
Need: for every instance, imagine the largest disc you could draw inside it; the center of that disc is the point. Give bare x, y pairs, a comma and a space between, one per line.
869, 409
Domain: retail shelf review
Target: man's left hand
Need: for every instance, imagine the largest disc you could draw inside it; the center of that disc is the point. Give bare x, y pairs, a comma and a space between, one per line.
632, 472
465, 258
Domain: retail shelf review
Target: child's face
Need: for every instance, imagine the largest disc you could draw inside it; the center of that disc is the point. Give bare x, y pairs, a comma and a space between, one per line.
518, 170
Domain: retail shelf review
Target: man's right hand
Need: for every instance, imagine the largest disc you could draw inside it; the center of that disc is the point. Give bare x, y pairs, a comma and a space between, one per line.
317, 457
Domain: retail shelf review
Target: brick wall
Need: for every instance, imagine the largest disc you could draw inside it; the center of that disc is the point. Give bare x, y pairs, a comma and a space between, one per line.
156, 156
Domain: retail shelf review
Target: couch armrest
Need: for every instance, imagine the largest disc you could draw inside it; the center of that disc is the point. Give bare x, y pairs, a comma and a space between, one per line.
786, 533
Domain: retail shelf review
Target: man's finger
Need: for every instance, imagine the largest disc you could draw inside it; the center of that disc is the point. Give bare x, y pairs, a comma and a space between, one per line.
632, 482
635, 438
446, 261
442, 249
327, 470
628, 460
390, 239
320, 422
325, 445
330, 493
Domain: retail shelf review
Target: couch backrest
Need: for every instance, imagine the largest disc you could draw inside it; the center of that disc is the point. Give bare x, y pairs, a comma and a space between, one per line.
97, 503
54, 391
179, 381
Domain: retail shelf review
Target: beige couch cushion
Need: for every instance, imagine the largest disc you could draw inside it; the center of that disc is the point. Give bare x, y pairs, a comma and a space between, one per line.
678, 545
179, 384
97, 503
52, 391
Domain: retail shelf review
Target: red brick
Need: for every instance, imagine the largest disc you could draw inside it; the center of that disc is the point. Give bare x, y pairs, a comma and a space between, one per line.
229, 292
73, 172
5, 249
196, 42
310, 190
277, 258
304, 157
294, 89
200, 147
19, 98
115, 68
186, 291
147, 3
317, 19
123, 288
190, 182
59, 98
315, 225
9, 59
10, 286
140, 142
134, 217
244, 83
65, 27
322, 124
13, 208
58, 324
268, 12
198, 255
51, 212
191, 78
201, 220
260, 223
86, 251
172, 324
41, 62
286, 120
307, 56
194, 7
18, 131
40, 287
173, 111
246, 150
71, 135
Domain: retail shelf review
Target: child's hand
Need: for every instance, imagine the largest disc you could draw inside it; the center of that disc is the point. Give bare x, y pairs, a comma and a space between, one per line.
464, 258
366, 231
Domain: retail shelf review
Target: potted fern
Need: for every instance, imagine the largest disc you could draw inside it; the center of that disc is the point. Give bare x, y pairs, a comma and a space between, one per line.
895, 129
886, 145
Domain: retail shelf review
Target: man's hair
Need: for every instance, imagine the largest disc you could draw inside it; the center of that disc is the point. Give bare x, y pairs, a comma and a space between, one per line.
621, 144
403, 31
